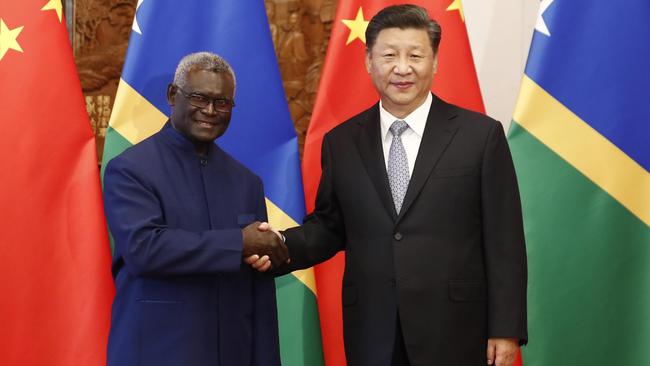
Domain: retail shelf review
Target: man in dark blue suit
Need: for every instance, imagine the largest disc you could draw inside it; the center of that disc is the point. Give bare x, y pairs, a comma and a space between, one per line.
183, 214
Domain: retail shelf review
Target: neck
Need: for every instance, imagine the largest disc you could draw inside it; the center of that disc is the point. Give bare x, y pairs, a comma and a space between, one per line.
201, 148
401, 111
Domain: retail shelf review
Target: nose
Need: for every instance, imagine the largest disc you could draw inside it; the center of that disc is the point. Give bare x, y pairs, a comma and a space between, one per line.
209, 109
402, 66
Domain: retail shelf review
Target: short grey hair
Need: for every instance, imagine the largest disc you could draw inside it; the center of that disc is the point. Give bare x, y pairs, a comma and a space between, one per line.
201, 61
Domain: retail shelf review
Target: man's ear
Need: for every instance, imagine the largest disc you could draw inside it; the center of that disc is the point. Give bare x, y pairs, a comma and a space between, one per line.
435, 63
368, 61
171, 91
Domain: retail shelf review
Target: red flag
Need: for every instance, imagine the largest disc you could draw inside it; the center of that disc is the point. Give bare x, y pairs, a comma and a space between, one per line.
346, 90
55, 279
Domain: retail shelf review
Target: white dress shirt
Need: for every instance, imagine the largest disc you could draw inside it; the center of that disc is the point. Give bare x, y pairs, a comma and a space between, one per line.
412, 137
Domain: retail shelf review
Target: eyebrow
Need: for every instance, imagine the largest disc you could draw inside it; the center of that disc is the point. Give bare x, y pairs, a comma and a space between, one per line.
408, 47
217, 96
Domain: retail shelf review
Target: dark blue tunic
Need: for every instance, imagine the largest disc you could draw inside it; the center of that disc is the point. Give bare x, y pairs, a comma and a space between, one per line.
183, 295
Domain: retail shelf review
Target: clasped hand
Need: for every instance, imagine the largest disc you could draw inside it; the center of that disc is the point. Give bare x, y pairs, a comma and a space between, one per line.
263, 246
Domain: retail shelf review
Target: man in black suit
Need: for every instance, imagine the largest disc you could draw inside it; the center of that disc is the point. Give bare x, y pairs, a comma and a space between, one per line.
423, 198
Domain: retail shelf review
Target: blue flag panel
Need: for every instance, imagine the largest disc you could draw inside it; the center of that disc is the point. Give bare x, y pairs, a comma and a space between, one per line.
595, 62
261, 134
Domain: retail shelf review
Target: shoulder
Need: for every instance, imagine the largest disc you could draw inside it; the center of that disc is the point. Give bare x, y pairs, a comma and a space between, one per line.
464, 115
350, 127
469, 121
140, 154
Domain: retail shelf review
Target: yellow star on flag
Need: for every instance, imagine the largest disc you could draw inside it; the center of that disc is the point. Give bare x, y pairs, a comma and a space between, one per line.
8, 39
456, 5
54, 5
357, 27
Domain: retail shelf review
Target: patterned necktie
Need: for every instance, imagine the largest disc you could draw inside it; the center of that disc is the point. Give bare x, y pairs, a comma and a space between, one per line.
398, 167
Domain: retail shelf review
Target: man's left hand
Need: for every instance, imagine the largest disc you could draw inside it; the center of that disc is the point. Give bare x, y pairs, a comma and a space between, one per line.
502, 351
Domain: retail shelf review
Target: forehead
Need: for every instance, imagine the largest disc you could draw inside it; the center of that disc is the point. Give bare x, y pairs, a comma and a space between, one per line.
210, 82
409, 38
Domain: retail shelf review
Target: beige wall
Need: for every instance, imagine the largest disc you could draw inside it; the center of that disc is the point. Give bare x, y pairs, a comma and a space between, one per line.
500, 32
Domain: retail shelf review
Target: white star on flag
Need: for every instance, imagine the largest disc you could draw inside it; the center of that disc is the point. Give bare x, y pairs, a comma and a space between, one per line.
541, 24
136, 26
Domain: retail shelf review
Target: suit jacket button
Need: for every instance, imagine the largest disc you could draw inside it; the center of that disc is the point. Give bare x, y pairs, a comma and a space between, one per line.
397, 236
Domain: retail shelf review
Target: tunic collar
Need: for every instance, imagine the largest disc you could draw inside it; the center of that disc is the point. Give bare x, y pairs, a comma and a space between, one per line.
182, 142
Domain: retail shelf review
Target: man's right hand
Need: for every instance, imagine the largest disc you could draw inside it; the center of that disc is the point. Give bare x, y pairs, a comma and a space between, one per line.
263, 243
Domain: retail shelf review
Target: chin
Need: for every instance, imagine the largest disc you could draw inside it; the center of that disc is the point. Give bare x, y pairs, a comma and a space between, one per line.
208, 135
402, 101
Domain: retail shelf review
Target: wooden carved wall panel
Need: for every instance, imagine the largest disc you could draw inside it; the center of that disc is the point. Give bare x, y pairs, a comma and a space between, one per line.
300, 30
100, 39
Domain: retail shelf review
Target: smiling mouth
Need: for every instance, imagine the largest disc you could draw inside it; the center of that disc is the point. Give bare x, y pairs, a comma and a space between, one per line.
206, 124
402, 84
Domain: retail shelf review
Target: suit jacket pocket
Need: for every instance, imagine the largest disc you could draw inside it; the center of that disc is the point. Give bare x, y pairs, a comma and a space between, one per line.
467, 291
349, 295
454, 172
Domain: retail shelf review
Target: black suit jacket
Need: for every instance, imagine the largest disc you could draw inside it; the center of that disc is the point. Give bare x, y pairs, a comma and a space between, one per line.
452, 263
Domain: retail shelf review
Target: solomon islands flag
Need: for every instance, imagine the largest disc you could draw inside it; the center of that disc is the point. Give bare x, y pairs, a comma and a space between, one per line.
580, 141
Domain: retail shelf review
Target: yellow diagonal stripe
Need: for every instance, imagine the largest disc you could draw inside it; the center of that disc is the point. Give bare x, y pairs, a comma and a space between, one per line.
583, 147
280, 220
133, 116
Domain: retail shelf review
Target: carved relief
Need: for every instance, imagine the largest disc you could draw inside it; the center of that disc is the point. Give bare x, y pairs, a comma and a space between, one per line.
300, 30
303, 29
102, 29
270, 14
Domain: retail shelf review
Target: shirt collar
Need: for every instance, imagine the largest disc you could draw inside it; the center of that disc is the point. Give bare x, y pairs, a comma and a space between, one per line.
417, 120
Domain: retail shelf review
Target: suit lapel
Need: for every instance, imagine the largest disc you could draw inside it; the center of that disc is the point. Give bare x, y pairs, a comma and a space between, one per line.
438, 133
372, 155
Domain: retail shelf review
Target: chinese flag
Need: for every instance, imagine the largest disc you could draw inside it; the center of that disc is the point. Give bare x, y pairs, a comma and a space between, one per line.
346, 90
55, 279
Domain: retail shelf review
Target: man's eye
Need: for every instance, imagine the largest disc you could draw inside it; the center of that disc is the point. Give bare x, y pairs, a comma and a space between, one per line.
221, 102
199, 98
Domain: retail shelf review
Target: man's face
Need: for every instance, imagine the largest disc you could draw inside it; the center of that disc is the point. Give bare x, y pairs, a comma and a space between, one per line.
201, 125
401, 64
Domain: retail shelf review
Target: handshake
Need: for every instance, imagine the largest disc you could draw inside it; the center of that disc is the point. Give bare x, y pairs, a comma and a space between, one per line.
263, 247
